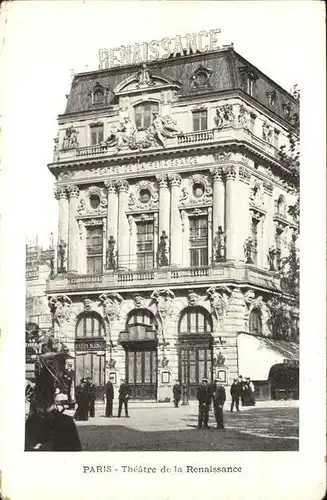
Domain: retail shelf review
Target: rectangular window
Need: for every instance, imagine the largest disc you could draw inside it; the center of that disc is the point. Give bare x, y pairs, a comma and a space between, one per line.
94, 250
254, 234
200, 120
96, 134
198, 241
144, 114
144, 244
250, 86
278, 239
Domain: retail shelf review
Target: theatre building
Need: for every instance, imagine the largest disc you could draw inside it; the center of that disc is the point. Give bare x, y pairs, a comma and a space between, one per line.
173, 219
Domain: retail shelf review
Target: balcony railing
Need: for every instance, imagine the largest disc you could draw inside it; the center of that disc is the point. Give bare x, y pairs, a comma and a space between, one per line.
92, 151
200, 136
85, 279
135, 276
190, 272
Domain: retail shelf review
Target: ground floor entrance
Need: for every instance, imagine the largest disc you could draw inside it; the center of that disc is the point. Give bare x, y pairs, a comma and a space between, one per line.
91, 364
195, 362
141, 370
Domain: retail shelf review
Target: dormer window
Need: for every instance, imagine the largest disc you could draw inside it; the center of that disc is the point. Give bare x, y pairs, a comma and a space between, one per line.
144, 114
98, 94
249, 79
272, 98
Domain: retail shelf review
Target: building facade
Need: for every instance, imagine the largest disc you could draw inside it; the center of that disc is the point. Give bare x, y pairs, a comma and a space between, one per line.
173, 219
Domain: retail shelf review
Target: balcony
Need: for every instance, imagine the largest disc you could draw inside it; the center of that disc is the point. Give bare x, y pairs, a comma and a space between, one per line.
225, 272
228, 133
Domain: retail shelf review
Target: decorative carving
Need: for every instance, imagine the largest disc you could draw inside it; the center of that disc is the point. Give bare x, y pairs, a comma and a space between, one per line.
164, 362
249, 296
110, 364
144, 78
257, 194
201, 78
224, 116
201, 193
111, 257
93, 222
60, 308
122, 186
111, 303
143, 197
244, 175
56, 144
222, 156
60, 192
62, 257
183, 219
163, 250
138, 300
111, 186
174, 179
70, 140
267, 132
193, 298
268, 187
162, 180
88, 304
131, 224
80, 229
217, 174
163, 127
219, 299
163, 298
125, 133
73, 191
229, 172
249, 249
272, 253
85, 207
243, 117
219, 245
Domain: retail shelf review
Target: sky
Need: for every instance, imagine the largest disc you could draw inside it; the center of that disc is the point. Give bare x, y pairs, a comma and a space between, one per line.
43, 43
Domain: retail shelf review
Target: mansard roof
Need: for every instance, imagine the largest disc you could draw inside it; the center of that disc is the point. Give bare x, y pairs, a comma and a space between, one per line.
225, 66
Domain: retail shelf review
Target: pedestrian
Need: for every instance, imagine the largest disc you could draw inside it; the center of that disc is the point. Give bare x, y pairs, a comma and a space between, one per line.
91, 387
48, 429
69, 377
204, 398
177, 393
82, 400
235, 391
218, 399
242, 386
251, 391
109, 391
124, 393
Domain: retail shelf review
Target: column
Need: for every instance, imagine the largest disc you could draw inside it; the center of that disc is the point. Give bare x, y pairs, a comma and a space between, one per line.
269, 229
112, 209
61, 196
123, 226
73, 193
231, 206
175, 221
164, 210
243, 225
218, 214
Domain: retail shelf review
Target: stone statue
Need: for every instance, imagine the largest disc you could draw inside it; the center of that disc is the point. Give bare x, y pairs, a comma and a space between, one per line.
111, 254
219, 299
62, 257
224, 116
219, 245
163, 250
111, 305
70, 139
243, 117
248, 250
272, 252
163, 127
125, 133
144, 77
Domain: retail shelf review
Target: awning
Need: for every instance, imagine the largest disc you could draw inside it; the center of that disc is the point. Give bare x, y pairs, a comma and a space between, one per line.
256, 355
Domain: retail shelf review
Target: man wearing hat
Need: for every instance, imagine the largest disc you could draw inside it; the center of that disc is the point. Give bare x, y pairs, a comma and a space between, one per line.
124, 393
204, 398
218, 399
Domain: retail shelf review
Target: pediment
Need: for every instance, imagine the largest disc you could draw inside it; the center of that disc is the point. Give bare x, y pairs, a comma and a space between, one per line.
144, 80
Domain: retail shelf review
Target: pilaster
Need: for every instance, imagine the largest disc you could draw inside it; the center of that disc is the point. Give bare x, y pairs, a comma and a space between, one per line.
123, 226
231, 212
73, 194
175, 221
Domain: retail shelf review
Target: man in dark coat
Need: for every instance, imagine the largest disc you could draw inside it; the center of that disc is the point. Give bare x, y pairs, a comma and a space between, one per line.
91, 388
242, 388
204, 398
48, 429
109, 398
218, 399
235, 391
82, 400
124, 393
69, 377
177, 393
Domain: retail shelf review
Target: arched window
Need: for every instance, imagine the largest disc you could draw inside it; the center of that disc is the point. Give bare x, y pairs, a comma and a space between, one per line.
144, 114
141, 317
255, 323
195, 320
98, 95
90, 324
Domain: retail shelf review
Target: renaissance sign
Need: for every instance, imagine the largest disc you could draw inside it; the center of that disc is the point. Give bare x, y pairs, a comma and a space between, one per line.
138, 53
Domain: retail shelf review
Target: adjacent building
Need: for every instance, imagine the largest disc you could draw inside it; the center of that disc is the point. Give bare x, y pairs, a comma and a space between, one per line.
173, 219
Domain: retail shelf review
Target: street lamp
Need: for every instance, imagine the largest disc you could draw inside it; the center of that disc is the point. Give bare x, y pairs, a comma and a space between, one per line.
185, 373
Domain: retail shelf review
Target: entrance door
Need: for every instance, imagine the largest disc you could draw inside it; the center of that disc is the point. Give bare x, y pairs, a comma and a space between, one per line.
141, 371
91, 364
195, 363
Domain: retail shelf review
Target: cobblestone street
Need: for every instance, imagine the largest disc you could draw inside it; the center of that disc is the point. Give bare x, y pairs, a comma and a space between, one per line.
269, 426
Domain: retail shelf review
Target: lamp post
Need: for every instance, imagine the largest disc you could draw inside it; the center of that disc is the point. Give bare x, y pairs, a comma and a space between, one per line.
185, 377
